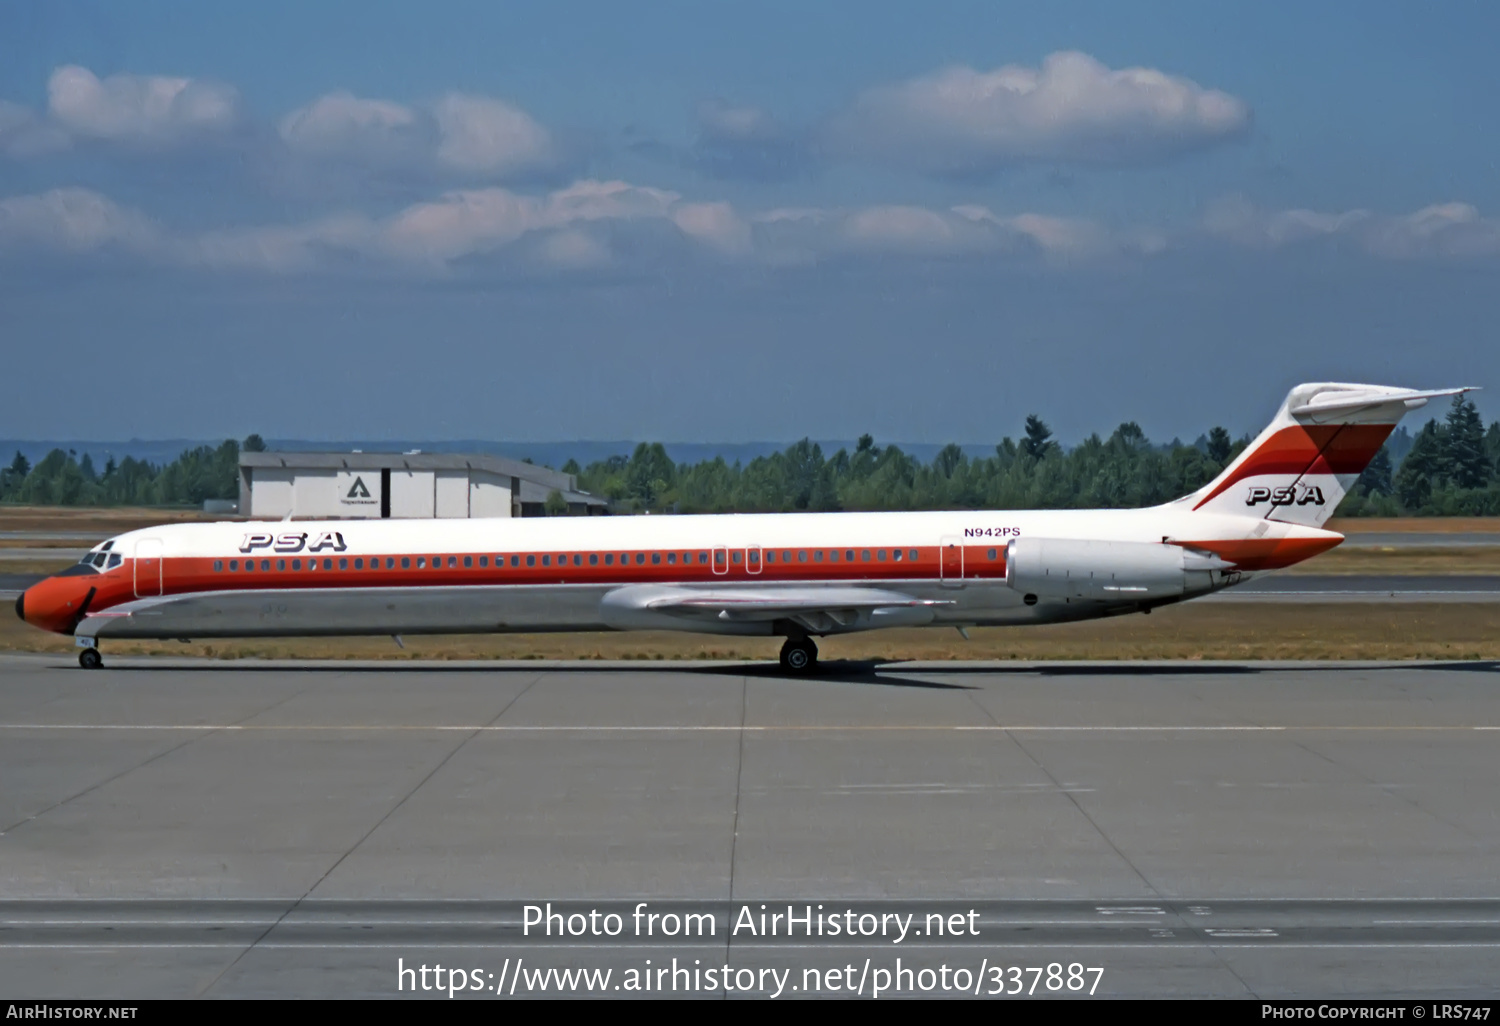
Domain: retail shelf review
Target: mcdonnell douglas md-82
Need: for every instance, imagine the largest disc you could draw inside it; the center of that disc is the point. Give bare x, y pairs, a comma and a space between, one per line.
793, 575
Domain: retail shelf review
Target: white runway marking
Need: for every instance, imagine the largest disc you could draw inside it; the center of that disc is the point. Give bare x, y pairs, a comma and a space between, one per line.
731, 729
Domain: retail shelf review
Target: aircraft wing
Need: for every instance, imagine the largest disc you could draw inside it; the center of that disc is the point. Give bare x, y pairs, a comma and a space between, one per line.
818, 610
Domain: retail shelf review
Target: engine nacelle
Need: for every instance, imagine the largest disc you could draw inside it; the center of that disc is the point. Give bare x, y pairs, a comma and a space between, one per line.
1107, 571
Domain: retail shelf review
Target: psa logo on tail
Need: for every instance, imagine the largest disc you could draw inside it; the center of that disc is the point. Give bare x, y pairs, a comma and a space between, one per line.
1286, 495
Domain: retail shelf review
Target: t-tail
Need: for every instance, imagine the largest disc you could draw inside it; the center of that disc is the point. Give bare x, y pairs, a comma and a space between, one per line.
1311, 454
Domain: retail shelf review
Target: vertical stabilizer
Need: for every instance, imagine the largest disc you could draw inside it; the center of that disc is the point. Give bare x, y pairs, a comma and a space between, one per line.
1311, 454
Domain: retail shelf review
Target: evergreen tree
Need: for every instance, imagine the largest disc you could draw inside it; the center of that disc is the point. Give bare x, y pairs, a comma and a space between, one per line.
1464, 461
1218, 446
650, 474
254, 443
1036, 443
1376, 479
1414, 480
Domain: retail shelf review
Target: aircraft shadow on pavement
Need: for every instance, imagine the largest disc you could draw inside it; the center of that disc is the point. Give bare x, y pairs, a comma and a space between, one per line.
837, 671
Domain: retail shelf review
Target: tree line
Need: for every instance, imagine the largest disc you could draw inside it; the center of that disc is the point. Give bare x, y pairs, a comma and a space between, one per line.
1449, 467
63, 478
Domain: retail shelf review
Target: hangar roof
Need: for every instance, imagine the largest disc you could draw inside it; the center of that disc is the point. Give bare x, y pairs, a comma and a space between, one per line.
501, 465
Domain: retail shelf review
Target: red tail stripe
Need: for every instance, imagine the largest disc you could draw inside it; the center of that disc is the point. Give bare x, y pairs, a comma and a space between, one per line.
1345, 449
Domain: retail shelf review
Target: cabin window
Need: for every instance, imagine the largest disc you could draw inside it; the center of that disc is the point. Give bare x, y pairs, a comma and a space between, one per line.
833, 555
770, 557
452, 562
817, 555
656, 558
516, 561
421, 562
327, 564
912, 555
992, 553
218, 565
265, 564
593, 559
531, 561
390, 562
609, 559
249, 566
468, 562
802, 555
786, 557
719, 558
687, 557
359, 564
484, 561
546, 560
577, 559
702, 558
640, 557
343, 564
864, 555
281, 564
671, 559
880, 555
406, 562
735, 556
849, 555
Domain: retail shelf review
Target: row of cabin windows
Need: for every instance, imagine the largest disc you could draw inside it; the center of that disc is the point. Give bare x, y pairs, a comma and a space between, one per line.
625, 558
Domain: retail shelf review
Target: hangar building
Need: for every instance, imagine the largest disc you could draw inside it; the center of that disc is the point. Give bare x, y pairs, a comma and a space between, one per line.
372, 485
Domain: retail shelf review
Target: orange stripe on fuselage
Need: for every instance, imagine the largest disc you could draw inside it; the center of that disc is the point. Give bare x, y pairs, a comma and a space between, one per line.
1265, 553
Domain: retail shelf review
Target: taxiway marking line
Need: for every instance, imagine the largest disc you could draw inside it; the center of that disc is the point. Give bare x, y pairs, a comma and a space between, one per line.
691, 729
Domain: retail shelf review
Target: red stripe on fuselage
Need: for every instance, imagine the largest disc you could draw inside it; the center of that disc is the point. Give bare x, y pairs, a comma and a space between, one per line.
183, 575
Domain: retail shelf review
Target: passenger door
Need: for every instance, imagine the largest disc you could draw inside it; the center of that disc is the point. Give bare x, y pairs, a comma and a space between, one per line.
148, 567
951, 561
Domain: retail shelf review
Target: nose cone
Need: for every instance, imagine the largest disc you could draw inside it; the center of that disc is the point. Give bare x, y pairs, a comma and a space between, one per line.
56, 604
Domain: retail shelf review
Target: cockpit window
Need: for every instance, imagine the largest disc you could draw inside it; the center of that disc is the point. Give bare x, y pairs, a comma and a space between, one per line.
107, 545
115, 559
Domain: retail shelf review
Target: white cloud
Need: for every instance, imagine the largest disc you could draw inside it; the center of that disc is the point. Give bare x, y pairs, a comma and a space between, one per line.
715, 224
149, 109
960, 121
592, 224
341, 124
74, 221
459, 135
1444, 230
482, 135
722, 121
23, 134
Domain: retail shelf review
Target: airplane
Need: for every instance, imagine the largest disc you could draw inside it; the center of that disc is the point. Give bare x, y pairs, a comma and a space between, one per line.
799, 576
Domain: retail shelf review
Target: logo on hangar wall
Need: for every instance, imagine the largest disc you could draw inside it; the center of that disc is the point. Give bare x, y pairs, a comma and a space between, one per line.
354, 491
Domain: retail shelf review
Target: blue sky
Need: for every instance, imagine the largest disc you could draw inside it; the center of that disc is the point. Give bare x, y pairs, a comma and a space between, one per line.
697, 221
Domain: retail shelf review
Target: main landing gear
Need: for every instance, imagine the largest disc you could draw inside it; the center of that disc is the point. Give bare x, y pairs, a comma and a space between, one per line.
799, 656
90, 659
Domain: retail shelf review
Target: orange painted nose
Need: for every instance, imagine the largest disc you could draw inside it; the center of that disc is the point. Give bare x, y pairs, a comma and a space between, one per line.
56, 604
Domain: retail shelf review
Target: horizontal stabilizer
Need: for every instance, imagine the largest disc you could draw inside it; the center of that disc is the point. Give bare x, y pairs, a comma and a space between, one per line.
1348, 400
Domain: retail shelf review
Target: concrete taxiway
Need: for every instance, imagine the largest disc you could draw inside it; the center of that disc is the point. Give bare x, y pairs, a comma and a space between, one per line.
179, 828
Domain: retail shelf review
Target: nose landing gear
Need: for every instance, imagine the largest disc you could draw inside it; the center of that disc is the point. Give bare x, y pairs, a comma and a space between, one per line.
90, 659
799, 656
